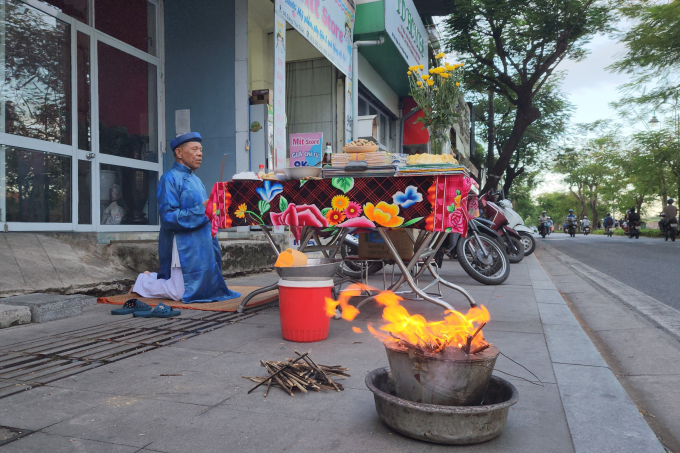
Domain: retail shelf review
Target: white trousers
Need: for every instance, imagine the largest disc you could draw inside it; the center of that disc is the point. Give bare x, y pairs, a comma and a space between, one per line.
158, 288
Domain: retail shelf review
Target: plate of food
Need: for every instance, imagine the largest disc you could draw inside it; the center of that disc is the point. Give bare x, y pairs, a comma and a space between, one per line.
361, 146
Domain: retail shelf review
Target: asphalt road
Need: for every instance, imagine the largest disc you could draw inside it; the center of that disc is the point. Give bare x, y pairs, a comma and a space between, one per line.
649, 265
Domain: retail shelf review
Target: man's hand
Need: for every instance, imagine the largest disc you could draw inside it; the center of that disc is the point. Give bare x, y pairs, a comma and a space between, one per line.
205, 203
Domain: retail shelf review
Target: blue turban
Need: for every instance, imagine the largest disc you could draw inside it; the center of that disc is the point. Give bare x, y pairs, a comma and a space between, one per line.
185, 138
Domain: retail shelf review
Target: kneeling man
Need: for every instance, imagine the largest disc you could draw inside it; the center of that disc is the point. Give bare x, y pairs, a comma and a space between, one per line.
191, 262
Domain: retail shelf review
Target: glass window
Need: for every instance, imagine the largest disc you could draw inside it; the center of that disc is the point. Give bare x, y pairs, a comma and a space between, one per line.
372, 110
384, 127
128, 113
363, 107
37, 88
134, 23
37, 186
83, 75
74, 8
84, 192
128, 196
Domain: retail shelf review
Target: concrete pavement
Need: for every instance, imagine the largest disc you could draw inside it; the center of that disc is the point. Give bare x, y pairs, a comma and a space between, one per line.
190, 396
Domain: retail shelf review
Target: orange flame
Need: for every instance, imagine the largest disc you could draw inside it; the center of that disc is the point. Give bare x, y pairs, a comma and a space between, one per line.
414, 330
356, 329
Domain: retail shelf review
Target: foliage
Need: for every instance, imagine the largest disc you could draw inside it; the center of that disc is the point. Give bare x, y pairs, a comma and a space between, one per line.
513, 48
535, 148
653, 53
436, 94
556, 205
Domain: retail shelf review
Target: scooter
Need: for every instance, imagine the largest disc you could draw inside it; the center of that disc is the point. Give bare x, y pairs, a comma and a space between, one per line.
671, 228
633, 230
496, 220
543, 229
586, 230
571, 227
516, 223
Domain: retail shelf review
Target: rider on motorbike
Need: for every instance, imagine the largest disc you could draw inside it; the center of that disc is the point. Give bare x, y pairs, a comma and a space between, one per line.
571, 218
609, 220
670, 212
585, 222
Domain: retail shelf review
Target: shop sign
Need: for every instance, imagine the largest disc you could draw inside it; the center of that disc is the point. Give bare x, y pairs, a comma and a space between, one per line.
305, 149
326, 24
279, 91
403, 24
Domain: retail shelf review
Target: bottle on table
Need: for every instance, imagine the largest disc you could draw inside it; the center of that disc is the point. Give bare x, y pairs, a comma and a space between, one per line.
328, 154
261, 172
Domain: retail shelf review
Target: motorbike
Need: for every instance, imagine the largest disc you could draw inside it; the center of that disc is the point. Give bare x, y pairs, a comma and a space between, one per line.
586, 230
516, 223
608, 230
571, 227
633, 230
671, 229
496, 220
543, 229
480, 253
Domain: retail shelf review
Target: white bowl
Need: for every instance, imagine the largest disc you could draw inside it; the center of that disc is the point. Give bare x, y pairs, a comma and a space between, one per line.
302, 172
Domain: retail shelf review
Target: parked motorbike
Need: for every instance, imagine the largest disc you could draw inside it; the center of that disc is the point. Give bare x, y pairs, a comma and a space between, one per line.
586, 230
671, 229
516, 223
496, 220
480, 254
571, 227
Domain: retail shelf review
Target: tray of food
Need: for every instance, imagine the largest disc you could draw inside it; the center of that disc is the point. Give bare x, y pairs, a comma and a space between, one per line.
361, 146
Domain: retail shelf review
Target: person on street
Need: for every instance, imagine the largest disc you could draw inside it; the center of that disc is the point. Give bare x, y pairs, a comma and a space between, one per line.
550, 224
543, 221
585, 222
669, 212
190, 258
608, 221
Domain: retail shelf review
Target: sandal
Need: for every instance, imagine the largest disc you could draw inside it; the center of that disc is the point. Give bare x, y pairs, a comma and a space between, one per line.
131, 306
159, 311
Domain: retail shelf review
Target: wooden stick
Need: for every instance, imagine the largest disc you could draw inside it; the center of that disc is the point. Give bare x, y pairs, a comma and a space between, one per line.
314, 365
270, 377
278, 379
269, 385
480, 349
468, 343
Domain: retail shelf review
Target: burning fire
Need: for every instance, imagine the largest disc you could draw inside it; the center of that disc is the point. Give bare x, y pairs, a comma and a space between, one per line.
414, 331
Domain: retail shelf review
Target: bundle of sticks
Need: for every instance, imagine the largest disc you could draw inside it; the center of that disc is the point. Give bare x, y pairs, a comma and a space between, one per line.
301, 373
438, 345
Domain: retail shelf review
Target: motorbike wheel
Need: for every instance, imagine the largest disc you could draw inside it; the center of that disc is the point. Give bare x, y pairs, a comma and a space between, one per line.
529, 243
637, 235
517, 256
543, 235
491, 270
673, 235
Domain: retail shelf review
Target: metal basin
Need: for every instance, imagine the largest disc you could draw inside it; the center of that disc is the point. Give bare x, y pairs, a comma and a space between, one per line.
316, 269
452, 378
456, 425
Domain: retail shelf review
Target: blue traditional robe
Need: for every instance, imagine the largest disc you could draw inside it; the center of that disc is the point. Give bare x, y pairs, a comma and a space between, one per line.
180, 204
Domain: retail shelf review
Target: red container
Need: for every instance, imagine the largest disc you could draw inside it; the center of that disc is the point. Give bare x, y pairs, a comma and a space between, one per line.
302, 305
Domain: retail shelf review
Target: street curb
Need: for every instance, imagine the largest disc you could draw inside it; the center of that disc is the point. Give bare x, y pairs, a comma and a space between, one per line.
665, 317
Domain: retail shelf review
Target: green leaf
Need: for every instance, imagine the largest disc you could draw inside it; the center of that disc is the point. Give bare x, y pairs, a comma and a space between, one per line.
263, 206
283, 203
411, 222
324, 211
344, 184
457, 192
448, 230
303, 181
329, 229
451, 207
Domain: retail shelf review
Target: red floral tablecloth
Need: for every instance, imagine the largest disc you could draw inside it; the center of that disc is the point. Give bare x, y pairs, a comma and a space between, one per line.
434, 203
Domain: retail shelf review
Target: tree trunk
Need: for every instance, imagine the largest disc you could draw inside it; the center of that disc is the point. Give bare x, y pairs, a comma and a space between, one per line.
526, 114
491, 134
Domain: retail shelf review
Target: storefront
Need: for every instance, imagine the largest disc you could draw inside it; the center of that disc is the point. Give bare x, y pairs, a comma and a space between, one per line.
79, 114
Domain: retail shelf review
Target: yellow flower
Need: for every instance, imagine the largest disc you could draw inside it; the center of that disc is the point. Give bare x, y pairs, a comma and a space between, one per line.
241, 211
425, 77
383, 214
410, 68
419, 83
432, 71
421, 67
440, 55
409, 73
430, 82
340, 202
445, 75
457, 84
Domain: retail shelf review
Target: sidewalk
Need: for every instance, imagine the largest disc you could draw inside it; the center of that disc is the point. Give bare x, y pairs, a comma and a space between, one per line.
191, 397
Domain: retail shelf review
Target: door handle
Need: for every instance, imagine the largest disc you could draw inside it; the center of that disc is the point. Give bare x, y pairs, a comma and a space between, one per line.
89, 155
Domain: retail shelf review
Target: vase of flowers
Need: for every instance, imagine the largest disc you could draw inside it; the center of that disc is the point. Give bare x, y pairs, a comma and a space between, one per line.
436, 93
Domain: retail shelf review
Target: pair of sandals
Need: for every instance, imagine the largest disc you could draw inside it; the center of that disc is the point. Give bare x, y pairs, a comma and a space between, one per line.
139, 309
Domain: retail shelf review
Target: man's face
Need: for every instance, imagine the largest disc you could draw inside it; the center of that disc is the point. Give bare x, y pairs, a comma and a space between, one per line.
190, 154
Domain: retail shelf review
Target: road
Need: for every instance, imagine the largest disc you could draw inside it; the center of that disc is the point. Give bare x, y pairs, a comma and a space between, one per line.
649, 265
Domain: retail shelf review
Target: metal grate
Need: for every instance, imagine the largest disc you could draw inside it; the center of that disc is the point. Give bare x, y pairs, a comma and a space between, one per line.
39, 361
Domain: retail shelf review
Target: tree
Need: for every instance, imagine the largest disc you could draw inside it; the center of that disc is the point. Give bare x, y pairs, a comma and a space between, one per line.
589, 165
534, 150
513, 48
556, 205
653, 53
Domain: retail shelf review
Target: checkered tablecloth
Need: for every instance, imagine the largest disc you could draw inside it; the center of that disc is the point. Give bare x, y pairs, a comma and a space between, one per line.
434, 203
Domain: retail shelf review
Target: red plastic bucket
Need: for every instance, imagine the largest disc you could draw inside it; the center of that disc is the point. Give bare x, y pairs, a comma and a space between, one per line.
302, 305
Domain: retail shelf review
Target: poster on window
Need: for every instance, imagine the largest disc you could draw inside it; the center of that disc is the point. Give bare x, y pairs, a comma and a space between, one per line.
279, 91
327, 24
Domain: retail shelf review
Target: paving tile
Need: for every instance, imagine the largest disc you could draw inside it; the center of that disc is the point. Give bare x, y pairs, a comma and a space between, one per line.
597, 408
557, 314
59, 444
570, 344
548, 296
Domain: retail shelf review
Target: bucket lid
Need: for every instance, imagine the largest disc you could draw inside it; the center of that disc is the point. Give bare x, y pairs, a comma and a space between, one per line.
307, 284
